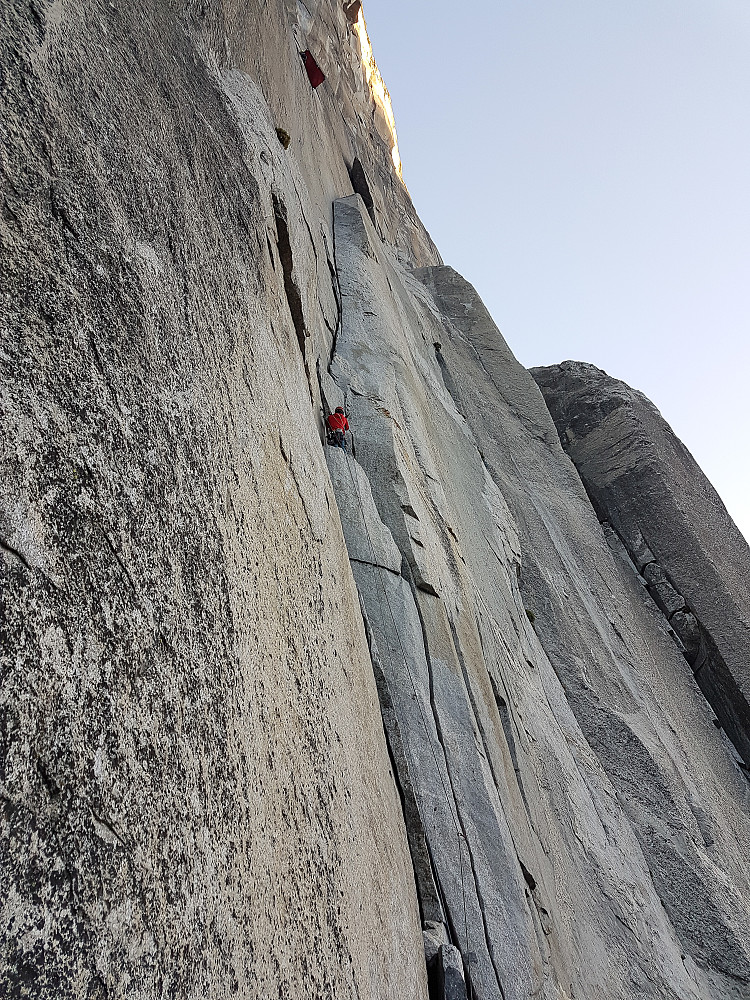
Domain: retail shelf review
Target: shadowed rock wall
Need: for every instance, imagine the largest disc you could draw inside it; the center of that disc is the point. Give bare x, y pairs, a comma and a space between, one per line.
647, 486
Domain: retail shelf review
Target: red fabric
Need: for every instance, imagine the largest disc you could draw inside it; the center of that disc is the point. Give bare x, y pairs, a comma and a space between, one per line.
314, 72
338, 422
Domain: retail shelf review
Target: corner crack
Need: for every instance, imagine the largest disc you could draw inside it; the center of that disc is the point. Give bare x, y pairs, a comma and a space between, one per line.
480, 900
118, 560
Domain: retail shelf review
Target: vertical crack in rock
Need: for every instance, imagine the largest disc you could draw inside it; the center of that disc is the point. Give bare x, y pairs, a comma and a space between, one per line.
461, 831
270, 251
534, 892
428, 893
541, 922
336, 282
293, 296
361, 186
339, 307
473, 705
510, 740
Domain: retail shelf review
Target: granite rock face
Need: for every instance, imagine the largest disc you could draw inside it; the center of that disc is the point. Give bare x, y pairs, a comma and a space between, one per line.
576, 798
195, 792
282, 721
648, 487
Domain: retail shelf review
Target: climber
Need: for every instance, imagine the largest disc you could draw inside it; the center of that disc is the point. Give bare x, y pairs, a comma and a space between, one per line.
338, 425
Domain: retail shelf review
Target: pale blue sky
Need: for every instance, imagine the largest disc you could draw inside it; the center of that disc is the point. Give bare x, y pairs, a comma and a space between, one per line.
586, 165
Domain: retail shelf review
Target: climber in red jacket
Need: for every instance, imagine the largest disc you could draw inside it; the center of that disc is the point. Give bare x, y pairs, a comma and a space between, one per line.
338, 425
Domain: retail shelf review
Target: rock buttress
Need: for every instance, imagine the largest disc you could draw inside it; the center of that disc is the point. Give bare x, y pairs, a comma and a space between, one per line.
576, 798
648, 487
195, 794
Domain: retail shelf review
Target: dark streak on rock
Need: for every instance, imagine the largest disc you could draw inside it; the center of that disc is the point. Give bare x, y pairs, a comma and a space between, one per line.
15, 554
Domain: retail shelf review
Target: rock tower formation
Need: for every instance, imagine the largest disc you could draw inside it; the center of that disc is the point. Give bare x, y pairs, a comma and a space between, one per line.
447, 716
649, 492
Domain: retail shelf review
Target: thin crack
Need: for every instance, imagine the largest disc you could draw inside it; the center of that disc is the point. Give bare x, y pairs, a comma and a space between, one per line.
333, 267
439, 732
15, 553
115, 553
367, 562
103, 372
109, 825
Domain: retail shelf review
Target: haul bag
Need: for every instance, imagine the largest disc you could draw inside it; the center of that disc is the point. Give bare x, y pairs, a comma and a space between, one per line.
314, 72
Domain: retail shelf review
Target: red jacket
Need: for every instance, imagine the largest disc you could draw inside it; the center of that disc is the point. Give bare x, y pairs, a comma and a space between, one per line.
338, 422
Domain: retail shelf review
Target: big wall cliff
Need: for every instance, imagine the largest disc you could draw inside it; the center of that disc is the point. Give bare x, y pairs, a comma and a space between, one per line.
276, 721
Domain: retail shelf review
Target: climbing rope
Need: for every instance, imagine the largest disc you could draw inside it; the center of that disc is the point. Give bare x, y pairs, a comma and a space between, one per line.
454, 817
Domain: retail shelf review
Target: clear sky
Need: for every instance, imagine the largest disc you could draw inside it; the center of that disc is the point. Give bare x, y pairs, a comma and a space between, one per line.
586, 165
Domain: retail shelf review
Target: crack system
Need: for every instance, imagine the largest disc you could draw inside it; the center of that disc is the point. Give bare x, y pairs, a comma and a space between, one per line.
713, 677
459, 820
293, 297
